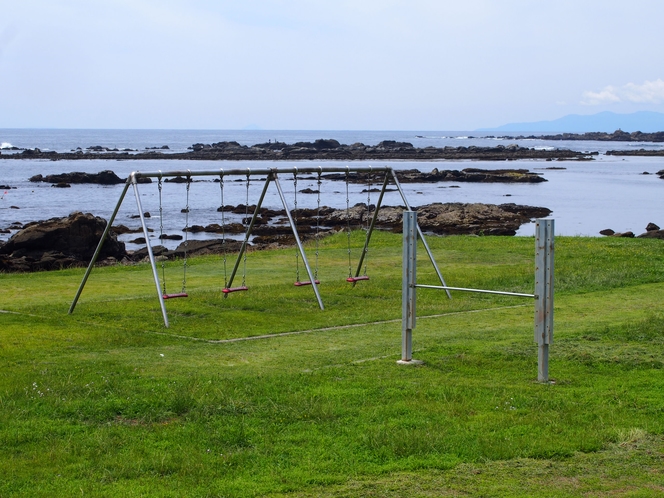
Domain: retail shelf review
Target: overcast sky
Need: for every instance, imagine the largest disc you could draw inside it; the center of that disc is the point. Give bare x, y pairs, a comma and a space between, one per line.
325, 64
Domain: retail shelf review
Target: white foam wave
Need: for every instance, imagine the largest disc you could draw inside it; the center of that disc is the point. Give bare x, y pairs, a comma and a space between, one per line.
6, 145
543, 147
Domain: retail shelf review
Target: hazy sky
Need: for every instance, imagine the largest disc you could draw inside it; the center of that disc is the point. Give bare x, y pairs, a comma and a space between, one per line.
323, 64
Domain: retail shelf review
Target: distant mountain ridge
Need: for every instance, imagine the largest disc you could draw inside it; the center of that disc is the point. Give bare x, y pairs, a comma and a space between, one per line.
644, 121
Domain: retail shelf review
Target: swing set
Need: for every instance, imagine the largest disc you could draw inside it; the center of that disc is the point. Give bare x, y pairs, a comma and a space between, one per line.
271, 175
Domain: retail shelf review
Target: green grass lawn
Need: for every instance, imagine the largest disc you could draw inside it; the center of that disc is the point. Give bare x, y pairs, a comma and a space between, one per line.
108, 402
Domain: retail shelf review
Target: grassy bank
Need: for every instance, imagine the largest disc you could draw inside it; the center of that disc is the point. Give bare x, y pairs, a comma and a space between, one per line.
108, 402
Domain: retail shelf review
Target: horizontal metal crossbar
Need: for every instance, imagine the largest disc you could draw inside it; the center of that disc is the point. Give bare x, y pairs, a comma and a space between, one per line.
481, 291
259, 171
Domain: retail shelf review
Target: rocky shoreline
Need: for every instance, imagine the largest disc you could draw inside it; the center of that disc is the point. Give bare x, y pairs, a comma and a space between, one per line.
469, 175
70, 241
322, 149
598, 136
652, 232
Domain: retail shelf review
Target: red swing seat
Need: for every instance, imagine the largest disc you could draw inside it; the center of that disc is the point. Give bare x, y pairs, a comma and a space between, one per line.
228, 290
173, 296
357, 279
306, 282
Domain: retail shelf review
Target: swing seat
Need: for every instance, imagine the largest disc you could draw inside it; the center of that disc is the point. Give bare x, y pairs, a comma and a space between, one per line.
306, 282
173, 296
228, 290
357, 279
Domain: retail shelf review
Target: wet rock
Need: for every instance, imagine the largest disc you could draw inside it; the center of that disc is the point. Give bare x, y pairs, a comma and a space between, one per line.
651, 227
106, 177
652, 234
58, 243
607, 232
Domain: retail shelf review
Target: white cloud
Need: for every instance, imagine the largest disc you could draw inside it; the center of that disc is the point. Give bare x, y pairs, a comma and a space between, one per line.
650, 92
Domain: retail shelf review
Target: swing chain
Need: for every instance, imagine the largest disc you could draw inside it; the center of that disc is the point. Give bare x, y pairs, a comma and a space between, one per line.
297, 254
246, 224
161, 236
186, 238
350, 267
366, 247
223, 228
319, 182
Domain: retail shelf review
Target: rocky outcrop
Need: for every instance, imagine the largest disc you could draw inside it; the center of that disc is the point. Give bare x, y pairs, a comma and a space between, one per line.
106, 177
472, 175
59, 243
639, 152
71, 241
652, 232
322, 149
616, 136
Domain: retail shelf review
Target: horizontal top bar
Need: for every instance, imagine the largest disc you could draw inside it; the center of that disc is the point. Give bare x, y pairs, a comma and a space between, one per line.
258, 171
481, 291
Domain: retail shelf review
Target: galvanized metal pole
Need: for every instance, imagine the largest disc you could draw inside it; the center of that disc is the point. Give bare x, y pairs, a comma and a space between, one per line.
408, 289
99, 246
150, 253
314, 285
544, 252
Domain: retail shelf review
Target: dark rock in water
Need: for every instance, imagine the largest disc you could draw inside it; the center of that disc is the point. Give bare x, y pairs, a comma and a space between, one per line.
14, 207
166, 236
651, 227
652, 234
177, 179
607, 231
200, 247
106, 177
121, 229
61, 185
59, 243
138, 240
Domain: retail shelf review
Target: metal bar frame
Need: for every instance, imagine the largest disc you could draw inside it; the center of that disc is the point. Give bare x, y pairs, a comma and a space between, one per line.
271, 174
544, 272
480, 291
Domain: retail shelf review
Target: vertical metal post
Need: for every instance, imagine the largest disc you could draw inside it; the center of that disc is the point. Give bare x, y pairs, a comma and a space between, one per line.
314, 285
150, 253
408, 292
544, 251
99, 246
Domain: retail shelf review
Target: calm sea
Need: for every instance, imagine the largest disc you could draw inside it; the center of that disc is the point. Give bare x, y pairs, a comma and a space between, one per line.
586, 197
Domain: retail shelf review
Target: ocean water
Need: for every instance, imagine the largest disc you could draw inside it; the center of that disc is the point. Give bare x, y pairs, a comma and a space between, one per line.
586, 197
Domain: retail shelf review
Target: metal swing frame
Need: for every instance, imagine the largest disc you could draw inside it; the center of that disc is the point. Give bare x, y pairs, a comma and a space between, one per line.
271, 176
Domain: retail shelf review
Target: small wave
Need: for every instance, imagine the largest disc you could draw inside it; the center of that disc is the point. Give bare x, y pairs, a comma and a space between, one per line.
461, 138
6, 145
544, 147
